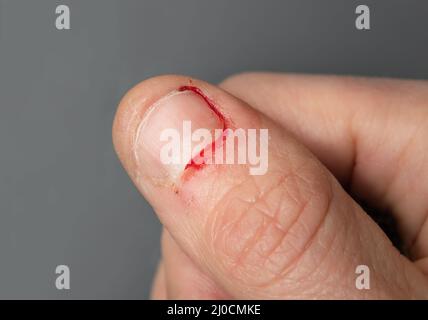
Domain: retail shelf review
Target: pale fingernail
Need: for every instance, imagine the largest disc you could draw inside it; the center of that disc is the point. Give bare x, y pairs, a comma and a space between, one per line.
164, 146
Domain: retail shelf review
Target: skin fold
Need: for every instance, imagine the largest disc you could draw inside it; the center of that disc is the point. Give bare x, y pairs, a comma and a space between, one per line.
295, 232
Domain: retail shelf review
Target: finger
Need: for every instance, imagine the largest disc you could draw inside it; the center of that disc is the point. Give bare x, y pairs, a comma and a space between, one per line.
371, 133
291, 232
159, 284
422, 264
184, 279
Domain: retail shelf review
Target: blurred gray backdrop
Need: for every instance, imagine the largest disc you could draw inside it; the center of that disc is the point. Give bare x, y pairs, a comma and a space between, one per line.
64, 198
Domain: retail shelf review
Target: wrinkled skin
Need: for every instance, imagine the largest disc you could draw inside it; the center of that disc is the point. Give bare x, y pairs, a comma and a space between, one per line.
294, 232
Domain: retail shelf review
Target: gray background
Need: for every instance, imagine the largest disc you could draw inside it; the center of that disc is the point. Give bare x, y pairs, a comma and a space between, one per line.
64, 198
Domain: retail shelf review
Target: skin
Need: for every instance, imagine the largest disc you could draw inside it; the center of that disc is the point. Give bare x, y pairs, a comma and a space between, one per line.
297, 231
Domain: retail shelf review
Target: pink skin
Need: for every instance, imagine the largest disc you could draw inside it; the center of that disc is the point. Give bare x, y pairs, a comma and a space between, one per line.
292, 233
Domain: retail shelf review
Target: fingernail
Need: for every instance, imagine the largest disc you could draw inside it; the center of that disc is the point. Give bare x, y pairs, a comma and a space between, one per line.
164, 146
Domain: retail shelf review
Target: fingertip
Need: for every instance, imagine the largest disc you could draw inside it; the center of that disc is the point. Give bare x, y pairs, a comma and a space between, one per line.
131, 110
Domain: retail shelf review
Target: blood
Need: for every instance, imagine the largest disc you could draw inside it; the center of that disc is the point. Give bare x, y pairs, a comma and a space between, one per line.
208, 101
210, 104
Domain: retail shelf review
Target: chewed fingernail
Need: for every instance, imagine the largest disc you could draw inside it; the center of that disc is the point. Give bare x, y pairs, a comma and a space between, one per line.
165, 143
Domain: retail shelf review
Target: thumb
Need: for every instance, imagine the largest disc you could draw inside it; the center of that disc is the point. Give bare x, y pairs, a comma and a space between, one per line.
274, 224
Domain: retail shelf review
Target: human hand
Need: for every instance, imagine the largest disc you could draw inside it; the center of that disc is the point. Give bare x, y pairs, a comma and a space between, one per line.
294, 232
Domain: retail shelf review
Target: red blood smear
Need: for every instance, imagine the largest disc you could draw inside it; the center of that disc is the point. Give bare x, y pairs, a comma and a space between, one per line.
213, 108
